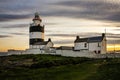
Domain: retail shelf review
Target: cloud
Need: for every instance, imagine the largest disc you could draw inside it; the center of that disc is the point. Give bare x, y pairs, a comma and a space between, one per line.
4, 36
51, 23
62, 35
74, 35
15, 26
16, 5
18, 9
90, 9
7, 17
116, 29
111, 35
14, 29
19, 34
115, 16
85, 35
86, 9
63, 42
113, 41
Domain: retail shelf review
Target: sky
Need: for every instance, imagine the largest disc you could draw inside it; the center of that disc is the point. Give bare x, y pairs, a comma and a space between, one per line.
63, 20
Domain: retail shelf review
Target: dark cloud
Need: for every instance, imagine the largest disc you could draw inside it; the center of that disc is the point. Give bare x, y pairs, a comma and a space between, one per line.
90, 9
17, 6
5, 36
111, 35
18, 9
19, 34
15, 26
4, 0
62, 35
114, 17
6, 17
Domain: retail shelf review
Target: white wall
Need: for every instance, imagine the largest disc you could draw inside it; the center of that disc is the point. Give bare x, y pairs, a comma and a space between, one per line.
81, 46
3, 54
67, 53
104, 46
34, 51
89, 46
70, 53
76, 46
94, 46
16, 52
50, 44
59, 52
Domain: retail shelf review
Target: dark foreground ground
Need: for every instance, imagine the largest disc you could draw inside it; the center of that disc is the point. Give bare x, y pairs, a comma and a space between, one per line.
47, 67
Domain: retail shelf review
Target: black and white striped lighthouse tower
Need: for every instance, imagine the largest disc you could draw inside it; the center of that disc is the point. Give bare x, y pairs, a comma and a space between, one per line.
36, 31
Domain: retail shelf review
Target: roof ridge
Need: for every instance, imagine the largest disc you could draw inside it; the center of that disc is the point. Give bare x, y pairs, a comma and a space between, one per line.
90, 39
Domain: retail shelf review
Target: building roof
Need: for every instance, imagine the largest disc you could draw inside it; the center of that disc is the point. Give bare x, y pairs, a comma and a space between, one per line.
37, 17
90, 39
81, 40
42, 43
95, 39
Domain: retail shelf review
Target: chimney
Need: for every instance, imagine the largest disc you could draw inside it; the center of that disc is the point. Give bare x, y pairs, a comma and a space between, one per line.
49, 39
103, 34
77, 37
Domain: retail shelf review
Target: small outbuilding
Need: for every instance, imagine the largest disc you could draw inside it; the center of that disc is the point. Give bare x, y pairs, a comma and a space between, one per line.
43, 45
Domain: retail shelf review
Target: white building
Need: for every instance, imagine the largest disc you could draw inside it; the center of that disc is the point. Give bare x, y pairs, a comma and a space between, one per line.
43, 45
96, 44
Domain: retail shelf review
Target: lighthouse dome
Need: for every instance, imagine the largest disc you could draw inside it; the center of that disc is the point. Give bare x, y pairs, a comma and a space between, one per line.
37, 14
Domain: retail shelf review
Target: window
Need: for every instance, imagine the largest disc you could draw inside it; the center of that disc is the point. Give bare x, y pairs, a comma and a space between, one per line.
85, 45
95, 51
99, 52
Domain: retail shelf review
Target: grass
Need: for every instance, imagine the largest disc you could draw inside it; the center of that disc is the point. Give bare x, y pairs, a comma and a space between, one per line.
62, 68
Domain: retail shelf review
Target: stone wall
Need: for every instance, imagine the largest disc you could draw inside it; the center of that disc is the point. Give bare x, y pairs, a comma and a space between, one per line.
88, 54
67, 53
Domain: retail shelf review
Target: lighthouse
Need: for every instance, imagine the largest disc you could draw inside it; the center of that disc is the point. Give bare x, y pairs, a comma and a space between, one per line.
36, 31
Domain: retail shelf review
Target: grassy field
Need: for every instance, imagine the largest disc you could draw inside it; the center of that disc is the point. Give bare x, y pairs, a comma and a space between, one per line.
47, 67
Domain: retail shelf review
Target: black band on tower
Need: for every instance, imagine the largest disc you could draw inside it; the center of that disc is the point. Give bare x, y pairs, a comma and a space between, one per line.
36, 29
33, 41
